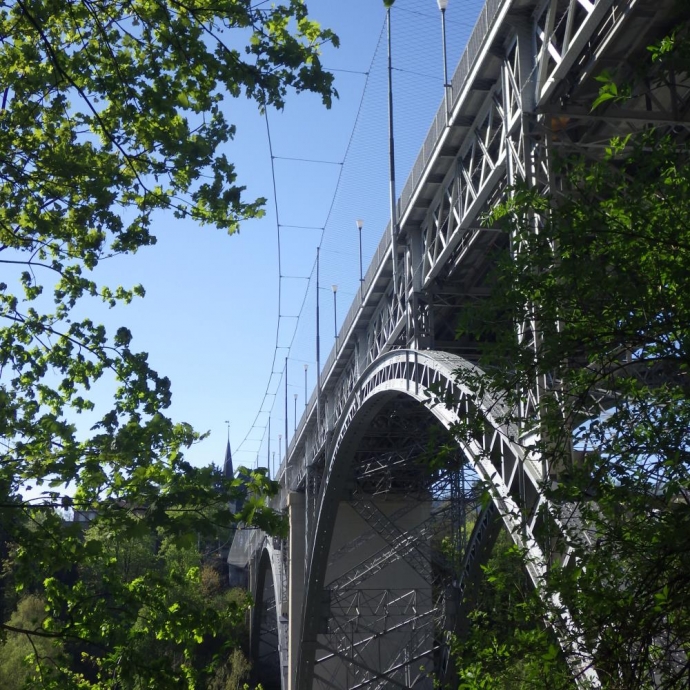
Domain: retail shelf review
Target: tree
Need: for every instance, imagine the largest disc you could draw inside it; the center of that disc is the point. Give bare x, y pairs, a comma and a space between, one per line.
19, 646
602, 275
201, 641
507, 646
111, 113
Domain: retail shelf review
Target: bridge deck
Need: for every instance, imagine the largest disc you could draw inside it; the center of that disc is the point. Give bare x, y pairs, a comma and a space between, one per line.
522, 90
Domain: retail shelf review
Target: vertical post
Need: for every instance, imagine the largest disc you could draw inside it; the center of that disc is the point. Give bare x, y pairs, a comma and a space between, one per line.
306, 367
391, 158
286, 408
268, 452
360, 224
442, 5
280, 446
295, 413
296, 516
335, 316
318, 350
274, 463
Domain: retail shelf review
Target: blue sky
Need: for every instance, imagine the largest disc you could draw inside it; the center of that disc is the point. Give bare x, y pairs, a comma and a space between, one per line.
211, 313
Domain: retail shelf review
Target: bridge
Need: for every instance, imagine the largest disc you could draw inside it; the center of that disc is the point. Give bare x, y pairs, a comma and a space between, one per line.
385, 542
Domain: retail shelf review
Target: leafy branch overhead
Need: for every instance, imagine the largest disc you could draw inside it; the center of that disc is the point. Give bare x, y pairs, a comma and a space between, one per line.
113, 111
111, 115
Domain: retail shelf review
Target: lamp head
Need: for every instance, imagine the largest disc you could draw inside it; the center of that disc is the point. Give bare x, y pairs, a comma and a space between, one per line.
442, 5
360, 223
335, 288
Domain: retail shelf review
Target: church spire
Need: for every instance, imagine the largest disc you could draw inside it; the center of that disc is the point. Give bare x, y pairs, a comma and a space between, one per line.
228, 470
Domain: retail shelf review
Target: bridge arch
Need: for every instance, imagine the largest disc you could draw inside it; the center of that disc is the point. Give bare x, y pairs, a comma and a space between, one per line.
267, 631
422, 376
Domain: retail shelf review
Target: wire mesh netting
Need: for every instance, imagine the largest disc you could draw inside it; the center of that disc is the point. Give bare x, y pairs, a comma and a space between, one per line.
360, 182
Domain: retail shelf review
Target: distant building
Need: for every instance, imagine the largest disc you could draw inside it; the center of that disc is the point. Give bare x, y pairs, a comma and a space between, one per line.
228, 470
237, 574
84, 516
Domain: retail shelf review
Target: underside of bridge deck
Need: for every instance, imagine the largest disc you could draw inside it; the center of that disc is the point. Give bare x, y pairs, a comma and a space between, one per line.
395, 554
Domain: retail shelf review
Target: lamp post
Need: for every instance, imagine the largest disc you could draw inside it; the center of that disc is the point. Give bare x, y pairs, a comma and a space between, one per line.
360, 224
295, 430
280, 444
391, 152
443, 5
318, 346
335, 315
306, 367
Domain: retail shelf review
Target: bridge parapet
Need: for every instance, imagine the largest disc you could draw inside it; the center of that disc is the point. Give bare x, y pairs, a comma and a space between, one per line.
521, 91
499, 88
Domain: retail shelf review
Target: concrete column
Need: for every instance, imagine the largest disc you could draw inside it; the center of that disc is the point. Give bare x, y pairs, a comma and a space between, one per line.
296, 515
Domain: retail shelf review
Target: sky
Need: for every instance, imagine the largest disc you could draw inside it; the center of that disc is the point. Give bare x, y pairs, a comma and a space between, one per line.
220, 311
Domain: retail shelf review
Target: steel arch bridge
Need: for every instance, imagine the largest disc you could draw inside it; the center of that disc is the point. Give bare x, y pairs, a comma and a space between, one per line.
493, 456
380, 556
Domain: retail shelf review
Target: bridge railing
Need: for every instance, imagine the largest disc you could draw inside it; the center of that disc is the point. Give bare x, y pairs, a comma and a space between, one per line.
350, 318
462, 72
459, 80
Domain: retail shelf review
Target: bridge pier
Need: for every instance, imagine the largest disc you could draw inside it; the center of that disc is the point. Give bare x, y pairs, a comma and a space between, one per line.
297, 517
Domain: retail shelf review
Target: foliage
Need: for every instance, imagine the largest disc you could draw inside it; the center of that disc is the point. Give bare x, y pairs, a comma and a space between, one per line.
112, 114
165, 614
507, 646
230, 676
161, 579
18, 646
598, 290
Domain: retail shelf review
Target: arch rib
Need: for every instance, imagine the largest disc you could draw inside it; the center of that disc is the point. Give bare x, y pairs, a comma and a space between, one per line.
513, 479
268, 565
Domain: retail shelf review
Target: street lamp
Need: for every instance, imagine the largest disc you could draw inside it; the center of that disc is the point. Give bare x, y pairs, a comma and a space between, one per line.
391, 151
295, 412
360, 224
335, 315
280, 443
306, 367
442, 5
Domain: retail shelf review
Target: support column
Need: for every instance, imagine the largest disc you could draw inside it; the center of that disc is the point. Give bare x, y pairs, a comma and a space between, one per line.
296, 515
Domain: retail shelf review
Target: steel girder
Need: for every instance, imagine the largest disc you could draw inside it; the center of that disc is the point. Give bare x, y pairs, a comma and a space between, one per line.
495, 456
525, 93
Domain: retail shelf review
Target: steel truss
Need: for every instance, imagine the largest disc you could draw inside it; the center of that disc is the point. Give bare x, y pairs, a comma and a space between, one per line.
521, 93
494, 456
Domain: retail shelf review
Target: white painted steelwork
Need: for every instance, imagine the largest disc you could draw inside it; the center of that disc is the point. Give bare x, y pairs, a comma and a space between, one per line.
522, 92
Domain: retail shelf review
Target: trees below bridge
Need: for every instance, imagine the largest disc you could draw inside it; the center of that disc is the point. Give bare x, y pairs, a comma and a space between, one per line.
164, 609
111, 113
591, 314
